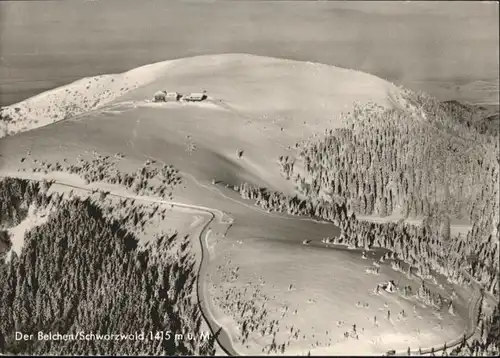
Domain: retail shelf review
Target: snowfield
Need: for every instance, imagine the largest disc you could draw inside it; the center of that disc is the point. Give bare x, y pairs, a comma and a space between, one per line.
273, 84
313, 297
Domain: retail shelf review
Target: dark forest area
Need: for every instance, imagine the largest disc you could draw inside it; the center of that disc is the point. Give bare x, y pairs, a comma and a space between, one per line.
81, 272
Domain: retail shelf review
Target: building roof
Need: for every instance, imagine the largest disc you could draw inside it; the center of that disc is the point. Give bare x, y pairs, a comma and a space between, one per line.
197, 95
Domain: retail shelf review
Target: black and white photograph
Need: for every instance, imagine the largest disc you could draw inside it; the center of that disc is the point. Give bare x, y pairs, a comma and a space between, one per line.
249, 178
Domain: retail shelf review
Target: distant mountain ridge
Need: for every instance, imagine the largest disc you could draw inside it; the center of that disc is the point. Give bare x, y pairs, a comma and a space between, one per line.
486, 120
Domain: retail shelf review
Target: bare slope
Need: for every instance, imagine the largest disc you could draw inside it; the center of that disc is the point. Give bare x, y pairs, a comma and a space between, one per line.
257, 104
77, 98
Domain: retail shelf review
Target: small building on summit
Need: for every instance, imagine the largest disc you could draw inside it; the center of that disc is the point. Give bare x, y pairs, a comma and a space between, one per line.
159, 96
196, 97
172, 96
164, 96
